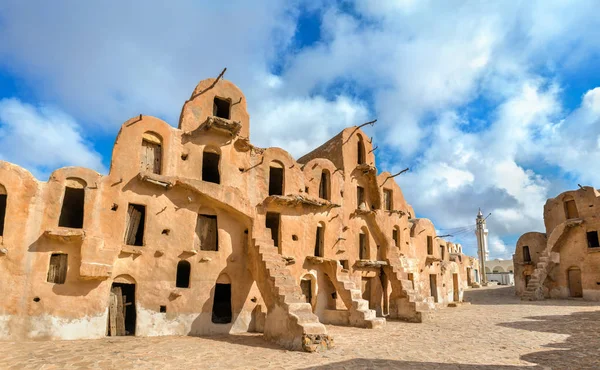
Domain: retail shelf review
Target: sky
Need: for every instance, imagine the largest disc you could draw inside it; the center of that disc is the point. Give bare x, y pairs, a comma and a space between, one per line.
492, 105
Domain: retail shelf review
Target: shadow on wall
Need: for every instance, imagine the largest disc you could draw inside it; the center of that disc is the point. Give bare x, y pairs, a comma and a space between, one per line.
506, 296
579, 351
366, 363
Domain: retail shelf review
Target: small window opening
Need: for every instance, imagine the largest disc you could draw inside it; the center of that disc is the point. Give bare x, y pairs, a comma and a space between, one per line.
3, 198
221, 108
136, 219
360, 197
387, 199
221, 311
163, 309
295, 237
207, 233
210, 167
319, 242
71, 213
36, 299
411, 277
151, 153
429, 245
114, 207
272, 223
571, 209
275, 179
363, 252
526, 255
360, 150
57, 271
183, 274
592, 239
442, 252
345, 264
325, 185
396, 237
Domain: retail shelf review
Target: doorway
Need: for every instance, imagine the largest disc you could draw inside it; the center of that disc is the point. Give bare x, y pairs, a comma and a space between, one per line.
455, 287
575, 288
121, 310
221, 311
433, 287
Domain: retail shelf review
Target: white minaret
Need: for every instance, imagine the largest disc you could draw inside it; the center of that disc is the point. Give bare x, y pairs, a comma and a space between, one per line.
481, 232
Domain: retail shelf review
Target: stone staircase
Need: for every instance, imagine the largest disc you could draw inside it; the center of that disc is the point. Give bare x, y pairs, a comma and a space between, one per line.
360, 314
290, 321
547, 260
535, 287
405, 302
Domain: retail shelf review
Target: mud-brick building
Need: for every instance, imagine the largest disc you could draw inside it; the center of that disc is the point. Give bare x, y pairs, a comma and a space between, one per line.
564, 261
195, 231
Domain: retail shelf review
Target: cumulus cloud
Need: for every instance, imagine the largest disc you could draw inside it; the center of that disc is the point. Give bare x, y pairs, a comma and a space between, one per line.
43, 139
469, 95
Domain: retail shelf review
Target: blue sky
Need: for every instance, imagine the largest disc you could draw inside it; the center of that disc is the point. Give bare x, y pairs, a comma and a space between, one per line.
491, 104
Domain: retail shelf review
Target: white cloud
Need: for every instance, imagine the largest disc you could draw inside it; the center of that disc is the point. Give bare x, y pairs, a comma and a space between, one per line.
43, 139
417, 66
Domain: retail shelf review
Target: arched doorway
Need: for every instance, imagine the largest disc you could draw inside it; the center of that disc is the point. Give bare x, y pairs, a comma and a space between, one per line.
221, 310
121, 307
575, 288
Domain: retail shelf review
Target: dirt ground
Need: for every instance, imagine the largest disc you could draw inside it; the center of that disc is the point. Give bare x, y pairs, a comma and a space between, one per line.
497, 331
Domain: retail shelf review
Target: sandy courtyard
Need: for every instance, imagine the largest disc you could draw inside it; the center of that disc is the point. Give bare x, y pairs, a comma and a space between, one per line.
497, 331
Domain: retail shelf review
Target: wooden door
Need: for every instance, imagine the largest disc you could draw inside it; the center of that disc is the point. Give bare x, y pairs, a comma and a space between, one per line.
116, 313
433, 287
455, 287
133, 223
151, 157
207, 232
575, 287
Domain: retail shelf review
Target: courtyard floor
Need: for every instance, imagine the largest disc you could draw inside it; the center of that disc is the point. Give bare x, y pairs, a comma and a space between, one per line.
497, 331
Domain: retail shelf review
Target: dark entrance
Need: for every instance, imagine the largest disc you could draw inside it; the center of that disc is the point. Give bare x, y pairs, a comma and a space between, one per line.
121, 310
221, 311
272, 222
71, 213
276, 179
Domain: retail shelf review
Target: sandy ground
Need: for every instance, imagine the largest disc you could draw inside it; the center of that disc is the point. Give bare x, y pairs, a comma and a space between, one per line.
497, 331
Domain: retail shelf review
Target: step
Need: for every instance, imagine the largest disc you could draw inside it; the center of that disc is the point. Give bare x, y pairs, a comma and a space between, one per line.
376, 323
360, 304
314, 328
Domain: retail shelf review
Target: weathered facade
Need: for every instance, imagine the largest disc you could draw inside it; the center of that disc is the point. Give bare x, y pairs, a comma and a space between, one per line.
565, 261
195, 231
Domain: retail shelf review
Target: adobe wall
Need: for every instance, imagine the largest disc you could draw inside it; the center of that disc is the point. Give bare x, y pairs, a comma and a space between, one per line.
98, 255
567, 237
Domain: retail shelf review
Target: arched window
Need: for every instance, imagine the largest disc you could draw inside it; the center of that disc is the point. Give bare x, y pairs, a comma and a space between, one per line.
360, 150
320, 240
151, 159
210, 166
3, 199
325, 185
71, 213
498, 269
276, 178
183, 274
